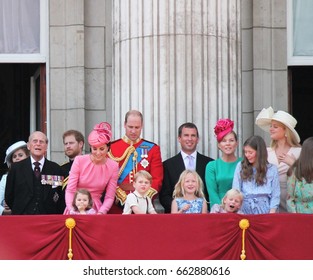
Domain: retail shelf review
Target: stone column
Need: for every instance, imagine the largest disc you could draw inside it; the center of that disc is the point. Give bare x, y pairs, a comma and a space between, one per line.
177, 61
66, 73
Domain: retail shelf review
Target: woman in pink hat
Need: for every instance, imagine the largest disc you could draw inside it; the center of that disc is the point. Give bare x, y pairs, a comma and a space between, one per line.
219, 173
285, 145
94, 172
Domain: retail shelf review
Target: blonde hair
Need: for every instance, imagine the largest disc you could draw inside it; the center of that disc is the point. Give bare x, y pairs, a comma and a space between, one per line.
232, 193
179, 190
143, 173
290, 138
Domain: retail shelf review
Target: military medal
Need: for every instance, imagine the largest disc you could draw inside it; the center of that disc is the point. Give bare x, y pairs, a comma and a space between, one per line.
144, 163
144, 155
52, 180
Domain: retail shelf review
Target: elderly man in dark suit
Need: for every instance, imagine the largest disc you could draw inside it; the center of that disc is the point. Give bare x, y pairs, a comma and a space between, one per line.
188, 158
34, 185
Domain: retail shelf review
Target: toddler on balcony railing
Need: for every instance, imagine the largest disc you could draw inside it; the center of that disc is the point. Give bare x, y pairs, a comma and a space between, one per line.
231, 203
82, 203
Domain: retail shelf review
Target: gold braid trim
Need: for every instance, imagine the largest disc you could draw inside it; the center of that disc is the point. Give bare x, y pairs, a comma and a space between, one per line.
125, 156
64, 183
120, 193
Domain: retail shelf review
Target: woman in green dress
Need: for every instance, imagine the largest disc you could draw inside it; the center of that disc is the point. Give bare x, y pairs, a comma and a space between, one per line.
219, 173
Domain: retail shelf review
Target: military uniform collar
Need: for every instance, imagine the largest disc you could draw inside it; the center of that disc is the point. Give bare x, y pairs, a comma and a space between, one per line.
130, 142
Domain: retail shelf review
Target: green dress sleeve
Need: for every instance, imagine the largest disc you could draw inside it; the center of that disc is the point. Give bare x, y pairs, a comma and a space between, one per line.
211, 183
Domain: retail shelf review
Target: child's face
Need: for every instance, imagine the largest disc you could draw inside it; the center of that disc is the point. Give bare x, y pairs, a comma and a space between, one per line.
232, 203
81, 201
190, 184
142, 185
250, 154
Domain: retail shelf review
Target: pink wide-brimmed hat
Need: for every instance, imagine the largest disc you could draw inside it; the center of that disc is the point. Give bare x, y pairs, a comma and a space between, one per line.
266, 116
222, 128
100, 135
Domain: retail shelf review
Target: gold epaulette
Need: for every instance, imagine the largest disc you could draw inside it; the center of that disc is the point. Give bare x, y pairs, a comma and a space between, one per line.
120, 195
152, 192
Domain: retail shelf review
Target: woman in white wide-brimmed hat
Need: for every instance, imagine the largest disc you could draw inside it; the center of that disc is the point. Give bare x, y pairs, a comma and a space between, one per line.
285, 145
16, 152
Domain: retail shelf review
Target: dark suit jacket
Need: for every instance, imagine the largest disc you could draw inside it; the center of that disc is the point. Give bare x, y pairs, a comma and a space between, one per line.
66, 167
173, 167
19, 190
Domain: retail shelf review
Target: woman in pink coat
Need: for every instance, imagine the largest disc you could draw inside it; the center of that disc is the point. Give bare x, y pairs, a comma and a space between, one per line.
95, 171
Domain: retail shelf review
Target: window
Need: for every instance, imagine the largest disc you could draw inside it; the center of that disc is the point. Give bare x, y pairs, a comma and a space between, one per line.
300, 32
23, 30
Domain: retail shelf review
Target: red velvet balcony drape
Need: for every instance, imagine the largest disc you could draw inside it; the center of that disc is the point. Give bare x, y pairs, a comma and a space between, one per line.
157, 237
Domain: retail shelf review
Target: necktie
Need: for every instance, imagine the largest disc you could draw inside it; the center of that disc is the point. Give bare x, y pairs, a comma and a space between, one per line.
191, 163
37, 169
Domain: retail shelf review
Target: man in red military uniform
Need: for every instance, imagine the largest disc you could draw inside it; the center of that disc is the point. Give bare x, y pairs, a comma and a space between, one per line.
133, 154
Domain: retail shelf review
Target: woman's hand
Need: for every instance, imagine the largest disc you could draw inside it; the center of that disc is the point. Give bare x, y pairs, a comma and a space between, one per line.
288, 159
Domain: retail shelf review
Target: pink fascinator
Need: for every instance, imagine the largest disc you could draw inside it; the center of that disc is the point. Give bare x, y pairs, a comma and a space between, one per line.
222, 128
100, 135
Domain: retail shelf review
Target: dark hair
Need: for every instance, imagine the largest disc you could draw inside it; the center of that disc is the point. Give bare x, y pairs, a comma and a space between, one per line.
10, 159
24, 149
257, 143
303, 166
86, 192
79, 137
187, 125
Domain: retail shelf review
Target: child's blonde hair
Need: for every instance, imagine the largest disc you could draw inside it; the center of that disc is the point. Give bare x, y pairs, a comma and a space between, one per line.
179, 190
232, 193
143, 173
86, 192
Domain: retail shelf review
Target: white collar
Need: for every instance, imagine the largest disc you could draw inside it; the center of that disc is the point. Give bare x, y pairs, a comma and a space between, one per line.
42, 161
184, 155
139, 195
